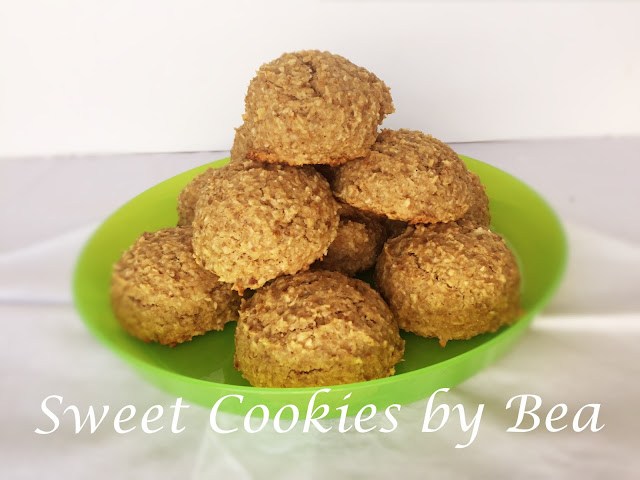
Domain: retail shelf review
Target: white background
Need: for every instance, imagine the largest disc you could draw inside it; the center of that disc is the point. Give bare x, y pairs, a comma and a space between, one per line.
154, 76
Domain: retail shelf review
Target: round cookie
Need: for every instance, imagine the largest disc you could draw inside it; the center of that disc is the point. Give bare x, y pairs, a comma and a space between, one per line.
357, 245
316, 328
408, 176
254, 224
159, 294
242, 143
189, 195
313, 107
478, 212
449, 281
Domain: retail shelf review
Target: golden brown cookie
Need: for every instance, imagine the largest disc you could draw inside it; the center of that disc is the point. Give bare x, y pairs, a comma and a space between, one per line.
159, 294
242, 142
264, 220
312, 107
478, 212
449, 281
188, 196
316, 328
357, 245
408, 176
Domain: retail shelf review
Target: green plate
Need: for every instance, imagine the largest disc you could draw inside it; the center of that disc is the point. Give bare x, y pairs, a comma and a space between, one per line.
201, 370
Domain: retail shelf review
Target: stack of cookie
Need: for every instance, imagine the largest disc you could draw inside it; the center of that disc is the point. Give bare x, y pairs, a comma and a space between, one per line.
313, 195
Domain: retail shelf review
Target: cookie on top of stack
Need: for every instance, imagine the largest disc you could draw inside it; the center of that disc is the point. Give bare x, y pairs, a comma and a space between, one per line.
313, 194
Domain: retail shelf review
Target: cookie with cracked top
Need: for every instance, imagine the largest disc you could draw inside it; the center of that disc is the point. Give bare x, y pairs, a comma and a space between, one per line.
312, 107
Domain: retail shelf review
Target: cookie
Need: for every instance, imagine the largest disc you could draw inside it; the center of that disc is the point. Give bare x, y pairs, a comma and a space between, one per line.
478, 212
449, 281
313, 329
357, 245
189, 195
408, 176
256, 223
159, 294
313, 107
242, 143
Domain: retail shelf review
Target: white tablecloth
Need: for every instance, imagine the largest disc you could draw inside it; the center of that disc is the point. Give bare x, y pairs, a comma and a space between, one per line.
582, 350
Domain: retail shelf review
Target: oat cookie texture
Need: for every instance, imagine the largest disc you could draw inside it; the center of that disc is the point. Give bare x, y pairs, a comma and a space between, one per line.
313, 107
242, 143
408, 176
159, 293
478, 212
358, 243
316, 328
256, 223
449, 281
189, 195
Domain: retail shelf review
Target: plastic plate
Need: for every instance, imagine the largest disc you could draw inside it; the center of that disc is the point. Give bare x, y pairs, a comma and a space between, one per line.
201, 370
